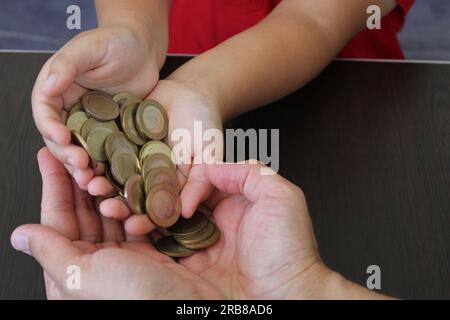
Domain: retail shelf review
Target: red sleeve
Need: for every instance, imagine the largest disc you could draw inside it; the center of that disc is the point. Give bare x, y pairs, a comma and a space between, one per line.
405, 5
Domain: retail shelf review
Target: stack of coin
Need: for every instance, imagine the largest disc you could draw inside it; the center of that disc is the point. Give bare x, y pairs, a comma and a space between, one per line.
189, 235
125, 133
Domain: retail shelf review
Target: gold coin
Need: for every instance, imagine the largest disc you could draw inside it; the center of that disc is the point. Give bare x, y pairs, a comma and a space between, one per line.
91, 123
154, 147
157, 160
76, 121
111, 179
171, 248
198, 236
152, 120
75, 108
124, 165
164, 176
78, 139
187, 227
96, 142
214, 235
134, 194
163, 206
125, 97
116, 141
100, 105
129, 127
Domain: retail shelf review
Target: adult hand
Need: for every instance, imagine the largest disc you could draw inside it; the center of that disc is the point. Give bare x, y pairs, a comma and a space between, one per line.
109, 58
112, 264
267, 249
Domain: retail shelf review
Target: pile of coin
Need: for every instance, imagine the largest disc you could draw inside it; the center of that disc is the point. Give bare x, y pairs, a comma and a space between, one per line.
189, 235
125, 133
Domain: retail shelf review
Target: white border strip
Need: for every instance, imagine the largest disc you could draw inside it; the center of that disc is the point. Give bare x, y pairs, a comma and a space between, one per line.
336, 59
395, 61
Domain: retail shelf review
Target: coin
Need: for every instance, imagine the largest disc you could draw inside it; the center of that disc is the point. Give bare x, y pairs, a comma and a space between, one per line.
111, 179
163, 206
76, 120
171, 248
125, 97
154, 147
96, 142
164, 176
157, 160
78, 139
124, 165
134, 195
116, 141
129, 127
152, 120
211, 235
75, 108
100, 105
187, 227
92, 123
197, 236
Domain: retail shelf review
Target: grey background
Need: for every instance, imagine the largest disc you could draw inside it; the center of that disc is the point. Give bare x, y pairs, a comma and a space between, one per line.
40, 25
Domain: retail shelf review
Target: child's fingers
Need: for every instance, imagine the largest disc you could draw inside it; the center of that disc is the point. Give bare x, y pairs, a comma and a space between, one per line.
138, 225
76, 58
82, 176
114, 208
71, 154
100, 186
47, 112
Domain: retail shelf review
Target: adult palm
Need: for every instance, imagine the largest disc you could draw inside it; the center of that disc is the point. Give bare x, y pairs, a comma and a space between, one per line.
267, 248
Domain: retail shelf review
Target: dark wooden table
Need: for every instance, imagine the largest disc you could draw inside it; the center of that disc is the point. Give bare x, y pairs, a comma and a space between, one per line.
368, 142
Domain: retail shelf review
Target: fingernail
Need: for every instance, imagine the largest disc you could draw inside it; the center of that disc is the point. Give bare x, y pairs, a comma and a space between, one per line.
20, 243
50, 82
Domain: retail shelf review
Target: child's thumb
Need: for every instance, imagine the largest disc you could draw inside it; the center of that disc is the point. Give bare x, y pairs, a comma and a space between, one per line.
77, 57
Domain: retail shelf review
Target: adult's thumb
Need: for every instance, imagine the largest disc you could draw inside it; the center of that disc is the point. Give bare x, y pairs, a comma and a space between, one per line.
52, 250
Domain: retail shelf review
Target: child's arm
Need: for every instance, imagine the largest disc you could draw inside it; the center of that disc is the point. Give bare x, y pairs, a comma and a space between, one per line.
148, 18
280, 54
126, 52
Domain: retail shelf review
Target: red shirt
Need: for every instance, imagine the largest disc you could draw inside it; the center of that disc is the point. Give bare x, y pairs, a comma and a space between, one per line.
198, 25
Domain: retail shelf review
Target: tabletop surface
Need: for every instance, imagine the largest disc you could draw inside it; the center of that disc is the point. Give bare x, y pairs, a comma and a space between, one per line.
368, 142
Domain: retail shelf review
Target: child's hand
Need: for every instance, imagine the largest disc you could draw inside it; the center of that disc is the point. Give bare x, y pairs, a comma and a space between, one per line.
111, 59
184, 104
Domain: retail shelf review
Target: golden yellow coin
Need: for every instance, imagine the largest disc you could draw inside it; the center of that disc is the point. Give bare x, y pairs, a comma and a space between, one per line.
163, 206
116, 141
129, 127
96, 142
75, 108
78, 140
155, 147
125, 97
134, 195
157, 160
100, 105
188, 227
163, 176
76, 121
211, 236
91, 123
152, 120
111, 179
124, 165
171, 248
